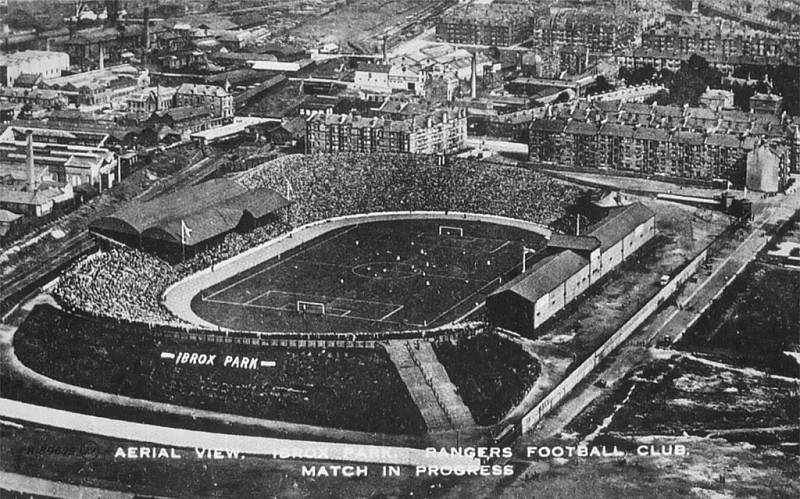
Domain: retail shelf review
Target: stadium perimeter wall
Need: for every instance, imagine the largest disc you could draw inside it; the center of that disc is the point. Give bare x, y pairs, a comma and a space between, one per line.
177, 298
552, 399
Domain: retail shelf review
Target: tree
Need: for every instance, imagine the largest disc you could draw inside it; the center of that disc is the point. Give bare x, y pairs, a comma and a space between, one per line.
562, 97
691, 80
599, 86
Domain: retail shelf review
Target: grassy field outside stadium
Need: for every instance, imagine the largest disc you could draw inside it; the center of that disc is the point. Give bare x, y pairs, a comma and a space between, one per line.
377, 276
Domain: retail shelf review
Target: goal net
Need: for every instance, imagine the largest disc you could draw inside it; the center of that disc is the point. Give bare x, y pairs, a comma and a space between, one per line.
310, 307
446, 230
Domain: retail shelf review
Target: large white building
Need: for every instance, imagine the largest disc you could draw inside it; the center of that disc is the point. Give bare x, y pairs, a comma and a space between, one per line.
47, 64
526, 302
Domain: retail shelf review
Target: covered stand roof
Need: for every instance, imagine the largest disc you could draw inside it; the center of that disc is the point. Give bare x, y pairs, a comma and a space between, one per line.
208, 210
546, 275
614, 228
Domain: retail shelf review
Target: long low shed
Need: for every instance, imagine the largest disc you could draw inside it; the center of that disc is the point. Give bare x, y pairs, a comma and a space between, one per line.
529, 300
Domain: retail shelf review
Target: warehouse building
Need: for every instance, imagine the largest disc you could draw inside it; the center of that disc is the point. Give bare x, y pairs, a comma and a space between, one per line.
576, 262
31, 62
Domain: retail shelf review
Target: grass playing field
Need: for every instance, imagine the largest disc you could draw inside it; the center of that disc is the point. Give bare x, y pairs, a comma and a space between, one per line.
377, 276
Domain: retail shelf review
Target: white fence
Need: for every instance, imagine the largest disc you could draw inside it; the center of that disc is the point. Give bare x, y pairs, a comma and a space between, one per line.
571, 381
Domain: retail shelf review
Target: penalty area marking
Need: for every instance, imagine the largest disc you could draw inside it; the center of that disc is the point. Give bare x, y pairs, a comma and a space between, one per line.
334, 305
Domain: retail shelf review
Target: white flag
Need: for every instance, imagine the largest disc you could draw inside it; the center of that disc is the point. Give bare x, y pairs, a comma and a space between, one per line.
186, 232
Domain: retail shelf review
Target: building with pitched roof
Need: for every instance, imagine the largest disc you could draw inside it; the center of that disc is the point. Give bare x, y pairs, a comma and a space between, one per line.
34, 62
210, 210
217, 99
573, 265
697, 143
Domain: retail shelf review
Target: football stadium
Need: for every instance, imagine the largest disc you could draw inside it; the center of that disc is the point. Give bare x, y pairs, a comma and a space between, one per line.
351, 298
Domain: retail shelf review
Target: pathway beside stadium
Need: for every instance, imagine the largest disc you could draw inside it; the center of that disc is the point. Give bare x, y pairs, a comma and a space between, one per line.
447, 393
244, 444
432, 412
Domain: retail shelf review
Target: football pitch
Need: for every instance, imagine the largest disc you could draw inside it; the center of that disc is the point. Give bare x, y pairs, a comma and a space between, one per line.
378, 276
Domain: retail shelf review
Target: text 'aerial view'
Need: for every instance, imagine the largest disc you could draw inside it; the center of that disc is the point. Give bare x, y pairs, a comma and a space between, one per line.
417, 249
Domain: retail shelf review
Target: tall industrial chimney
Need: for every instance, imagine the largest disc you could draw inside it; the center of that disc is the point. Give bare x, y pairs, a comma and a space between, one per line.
474, 77
29, 161
147, 28
102, 57
384, 50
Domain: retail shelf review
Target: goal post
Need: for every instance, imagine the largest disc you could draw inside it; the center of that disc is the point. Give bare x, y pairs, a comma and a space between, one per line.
447, 230
313, 307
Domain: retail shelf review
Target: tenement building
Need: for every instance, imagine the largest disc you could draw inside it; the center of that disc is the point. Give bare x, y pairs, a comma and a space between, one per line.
670, 141
436, 132
600, 33
497, 24
722, 40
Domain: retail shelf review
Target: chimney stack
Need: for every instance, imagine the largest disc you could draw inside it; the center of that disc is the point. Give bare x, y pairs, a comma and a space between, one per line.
146, 28
102, 57
385, 60
474, 77
29, 161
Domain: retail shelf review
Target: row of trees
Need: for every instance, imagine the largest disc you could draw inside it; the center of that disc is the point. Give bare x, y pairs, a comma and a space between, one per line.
695, 75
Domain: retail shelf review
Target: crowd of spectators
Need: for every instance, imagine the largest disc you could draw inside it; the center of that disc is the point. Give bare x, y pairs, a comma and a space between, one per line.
326, 185
492, 374
354, 389
128, 284
121, 283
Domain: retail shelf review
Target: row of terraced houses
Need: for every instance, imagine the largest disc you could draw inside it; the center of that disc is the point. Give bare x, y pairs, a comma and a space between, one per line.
680, 142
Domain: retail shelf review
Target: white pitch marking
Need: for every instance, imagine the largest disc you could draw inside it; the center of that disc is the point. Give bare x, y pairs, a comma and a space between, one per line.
391, 313
500, 247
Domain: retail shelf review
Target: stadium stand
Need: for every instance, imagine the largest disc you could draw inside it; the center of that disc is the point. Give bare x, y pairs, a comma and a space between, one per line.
318, 187
492, 374
191, 219
529, 300
354, 389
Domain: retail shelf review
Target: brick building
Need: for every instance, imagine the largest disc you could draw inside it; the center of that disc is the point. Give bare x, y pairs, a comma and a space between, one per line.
217, 99
439, 131
723, 39
669, 141
496, 24
600, 33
